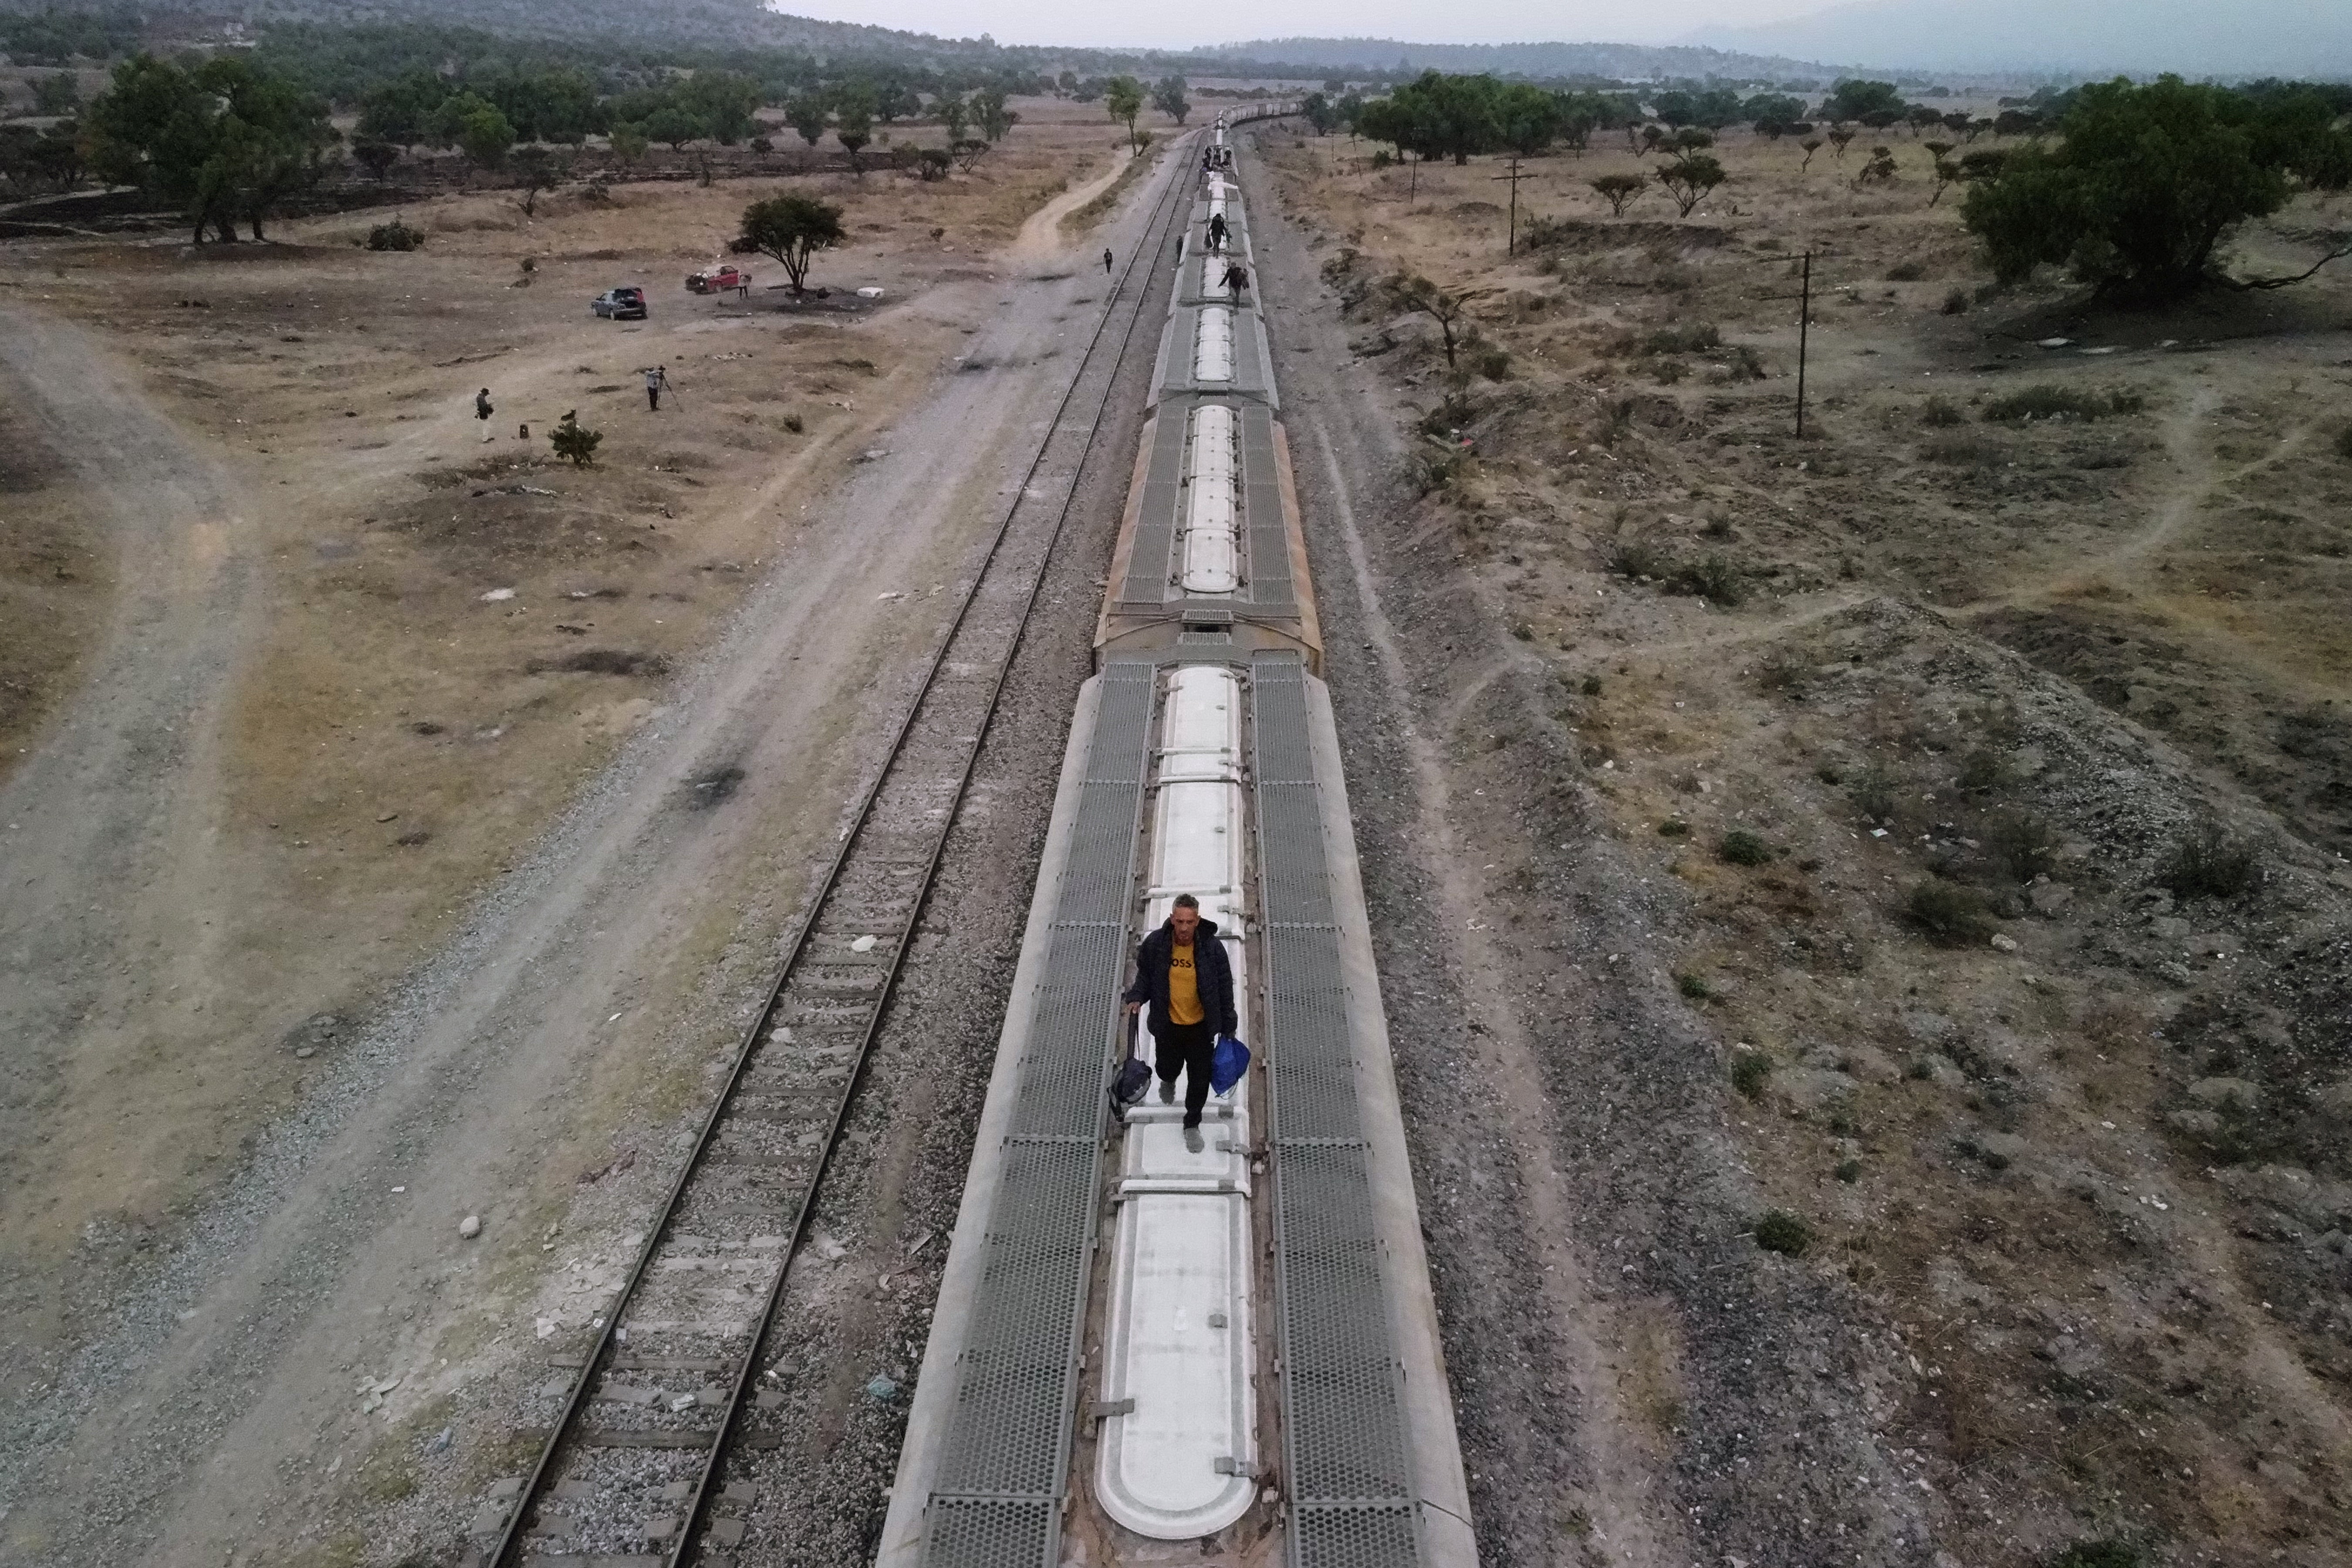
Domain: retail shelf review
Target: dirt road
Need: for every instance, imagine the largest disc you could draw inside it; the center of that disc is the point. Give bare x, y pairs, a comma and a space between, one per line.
583, 996
125, 790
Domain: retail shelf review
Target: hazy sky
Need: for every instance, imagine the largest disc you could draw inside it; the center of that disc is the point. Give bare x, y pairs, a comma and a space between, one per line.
1182, 26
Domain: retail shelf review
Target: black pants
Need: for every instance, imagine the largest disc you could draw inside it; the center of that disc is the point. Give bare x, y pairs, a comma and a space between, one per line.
1186, 1049
653, 398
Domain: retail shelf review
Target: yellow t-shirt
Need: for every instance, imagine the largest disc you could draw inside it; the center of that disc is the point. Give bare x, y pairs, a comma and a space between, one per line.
1183, 987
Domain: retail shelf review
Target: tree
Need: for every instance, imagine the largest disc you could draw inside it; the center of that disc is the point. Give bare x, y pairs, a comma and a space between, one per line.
1167, 97
1456, 114
1689, 178
485, 137
1769, 112
674, 125
807, 114
55, 94
1123, 96
1881, 168
629, 141
1525, 118
1410, 292
1924, 118
396, 111
793, 229
221, 139
376, 157
1854, 99
1841, 138
1319, 112
1619, 191
536, 170
969, 152
2138, 197
725, 103
853, 118
574, 441
955, 118
1812, 144
994, 120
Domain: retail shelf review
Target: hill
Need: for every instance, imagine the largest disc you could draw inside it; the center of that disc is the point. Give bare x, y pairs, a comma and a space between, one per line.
1622, 62
2085, 38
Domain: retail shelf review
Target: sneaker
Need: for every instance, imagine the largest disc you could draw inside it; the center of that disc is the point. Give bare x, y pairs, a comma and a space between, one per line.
1192, 1144
1167, 1092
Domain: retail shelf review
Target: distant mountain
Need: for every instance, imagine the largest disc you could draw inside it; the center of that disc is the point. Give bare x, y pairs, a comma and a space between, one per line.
1622, 62
2075, 38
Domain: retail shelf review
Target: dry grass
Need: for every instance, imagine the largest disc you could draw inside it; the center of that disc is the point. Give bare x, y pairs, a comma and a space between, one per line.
2167, 532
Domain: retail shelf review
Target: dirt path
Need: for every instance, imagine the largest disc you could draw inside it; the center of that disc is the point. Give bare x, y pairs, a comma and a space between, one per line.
1041, 238
586, 989
124, 790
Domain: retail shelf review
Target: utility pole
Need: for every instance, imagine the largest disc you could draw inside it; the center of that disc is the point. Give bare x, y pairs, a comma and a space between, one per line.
1511, 243
1804, 332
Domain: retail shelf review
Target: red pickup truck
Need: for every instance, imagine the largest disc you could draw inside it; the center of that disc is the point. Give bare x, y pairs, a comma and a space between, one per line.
717, 281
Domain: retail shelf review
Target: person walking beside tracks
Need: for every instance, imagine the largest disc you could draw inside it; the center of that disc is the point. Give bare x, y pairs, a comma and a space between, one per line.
657, 382
1183, 973
482, 411
1106, 259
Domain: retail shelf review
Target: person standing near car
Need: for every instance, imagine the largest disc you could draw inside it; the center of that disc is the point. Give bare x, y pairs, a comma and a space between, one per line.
1183, 972
657, 382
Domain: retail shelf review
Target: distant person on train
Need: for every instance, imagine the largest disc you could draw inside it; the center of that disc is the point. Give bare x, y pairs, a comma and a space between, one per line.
1217, 231
1181, 970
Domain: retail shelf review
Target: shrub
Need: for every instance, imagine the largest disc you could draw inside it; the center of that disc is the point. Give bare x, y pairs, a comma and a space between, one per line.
1873, 792
1693, 986
1670, 371
1940, 412
1590, 685
2344, 443
2097, 1555
1982, 769
1906, 272
1637, 558
1741, 848
574, 441
1674, 827
2048, 402
1920, 1070
1849, 1170
1494, 364
2206, 863
394, 235
1950, 916
1710, 577
794, 422
1694, 339
2022, 844
1783, 1232
1956, 303
1750, 1072
1962, 450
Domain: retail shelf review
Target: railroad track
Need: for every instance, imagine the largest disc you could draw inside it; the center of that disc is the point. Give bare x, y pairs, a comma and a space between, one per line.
635, 1467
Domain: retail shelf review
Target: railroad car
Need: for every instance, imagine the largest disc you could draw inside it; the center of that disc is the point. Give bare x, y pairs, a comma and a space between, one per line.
1137, 1342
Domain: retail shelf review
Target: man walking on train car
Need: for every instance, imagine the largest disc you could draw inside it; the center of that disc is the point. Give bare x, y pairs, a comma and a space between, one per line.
1181, 970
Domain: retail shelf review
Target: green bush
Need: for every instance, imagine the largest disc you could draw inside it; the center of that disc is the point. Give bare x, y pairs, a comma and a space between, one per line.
1783, 1232
1849, 1170
2048, 402
1674, 827
1590, 685
1741, 848
1950, 915
1956, 303
1750, 1070
1941, 411
2206, 863
1906, 272
1693, 986
394, 235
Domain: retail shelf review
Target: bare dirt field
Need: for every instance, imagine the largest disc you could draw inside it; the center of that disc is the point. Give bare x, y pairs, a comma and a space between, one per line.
401, 811
1773, 824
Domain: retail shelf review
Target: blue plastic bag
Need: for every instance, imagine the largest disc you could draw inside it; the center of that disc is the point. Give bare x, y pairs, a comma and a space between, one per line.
1227, 1064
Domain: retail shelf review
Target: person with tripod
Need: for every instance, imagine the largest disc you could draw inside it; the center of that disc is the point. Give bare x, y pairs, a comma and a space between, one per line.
657, 382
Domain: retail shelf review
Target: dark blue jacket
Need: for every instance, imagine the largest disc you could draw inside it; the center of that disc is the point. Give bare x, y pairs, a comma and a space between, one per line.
1212, 973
